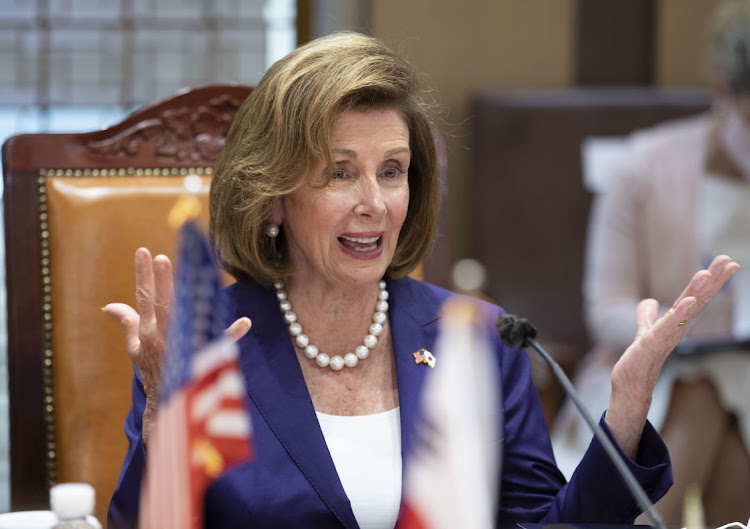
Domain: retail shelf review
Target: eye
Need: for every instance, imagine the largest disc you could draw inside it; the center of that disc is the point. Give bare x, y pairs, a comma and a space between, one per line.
392, 172
338, 174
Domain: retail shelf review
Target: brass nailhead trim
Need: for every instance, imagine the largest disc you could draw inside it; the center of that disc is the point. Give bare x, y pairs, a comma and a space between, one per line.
130, 171
49, 410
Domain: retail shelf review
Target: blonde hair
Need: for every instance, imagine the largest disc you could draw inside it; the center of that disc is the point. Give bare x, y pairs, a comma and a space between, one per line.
283, 130
729, 45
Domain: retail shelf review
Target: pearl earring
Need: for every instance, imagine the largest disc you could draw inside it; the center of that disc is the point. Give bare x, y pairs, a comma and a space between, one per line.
272, 230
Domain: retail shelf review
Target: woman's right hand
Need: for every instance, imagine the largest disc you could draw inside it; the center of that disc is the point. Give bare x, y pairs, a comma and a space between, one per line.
145, 328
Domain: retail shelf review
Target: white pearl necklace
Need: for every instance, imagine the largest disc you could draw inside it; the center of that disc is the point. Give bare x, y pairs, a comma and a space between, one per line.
336, 362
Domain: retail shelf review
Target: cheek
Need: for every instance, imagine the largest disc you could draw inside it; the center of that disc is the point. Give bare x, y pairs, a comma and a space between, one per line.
400, 206
306, 211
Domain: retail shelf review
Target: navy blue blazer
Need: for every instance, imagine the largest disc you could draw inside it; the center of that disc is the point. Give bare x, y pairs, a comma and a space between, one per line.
292, 482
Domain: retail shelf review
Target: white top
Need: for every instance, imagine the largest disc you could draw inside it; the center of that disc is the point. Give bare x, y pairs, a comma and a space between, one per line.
366, 450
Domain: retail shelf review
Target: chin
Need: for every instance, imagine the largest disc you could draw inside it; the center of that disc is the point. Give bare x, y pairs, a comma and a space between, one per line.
368, 278
363, 276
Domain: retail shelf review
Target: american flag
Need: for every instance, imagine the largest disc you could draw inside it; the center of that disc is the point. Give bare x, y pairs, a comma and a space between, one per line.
451, 474
202, 426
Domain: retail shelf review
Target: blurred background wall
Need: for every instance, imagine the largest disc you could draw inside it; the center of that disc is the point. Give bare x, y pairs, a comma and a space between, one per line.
471, 46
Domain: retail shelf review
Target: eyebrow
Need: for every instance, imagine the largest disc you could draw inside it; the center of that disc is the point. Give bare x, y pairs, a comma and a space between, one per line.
352, 154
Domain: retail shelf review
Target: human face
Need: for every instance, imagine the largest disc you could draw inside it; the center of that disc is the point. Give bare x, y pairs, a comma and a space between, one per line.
345, 231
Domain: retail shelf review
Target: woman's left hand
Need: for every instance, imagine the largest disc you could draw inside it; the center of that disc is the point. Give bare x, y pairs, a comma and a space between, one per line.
635, 374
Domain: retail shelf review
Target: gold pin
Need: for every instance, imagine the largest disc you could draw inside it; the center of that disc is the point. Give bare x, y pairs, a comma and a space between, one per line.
423, 356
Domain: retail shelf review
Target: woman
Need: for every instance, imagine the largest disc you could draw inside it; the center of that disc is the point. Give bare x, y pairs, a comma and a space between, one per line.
682, 196
325, 198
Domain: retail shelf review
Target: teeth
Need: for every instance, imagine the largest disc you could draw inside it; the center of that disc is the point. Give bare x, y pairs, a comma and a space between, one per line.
361, 240
365, 248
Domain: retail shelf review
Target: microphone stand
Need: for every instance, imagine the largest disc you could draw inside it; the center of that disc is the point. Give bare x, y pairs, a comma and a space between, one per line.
518, 333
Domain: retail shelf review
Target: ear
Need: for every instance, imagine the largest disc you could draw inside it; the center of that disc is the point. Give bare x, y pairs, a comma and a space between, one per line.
277, 211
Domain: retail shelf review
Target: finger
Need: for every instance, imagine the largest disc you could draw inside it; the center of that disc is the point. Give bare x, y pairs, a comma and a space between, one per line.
144, 288
706, 284
646, 313
163, 293
239, 328
681, 312
669, 329
724, 274
718, 270
719, 263
696, 284
129, 321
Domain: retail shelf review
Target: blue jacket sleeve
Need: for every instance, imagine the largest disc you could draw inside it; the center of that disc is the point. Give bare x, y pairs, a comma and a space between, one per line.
534, 490
123, 508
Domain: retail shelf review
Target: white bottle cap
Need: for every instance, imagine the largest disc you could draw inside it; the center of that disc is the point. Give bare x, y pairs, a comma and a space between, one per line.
72, 500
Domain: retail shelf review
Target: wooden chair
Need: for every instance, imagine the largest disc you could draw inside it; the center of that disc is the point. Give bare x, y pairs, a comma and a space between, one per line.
76, 208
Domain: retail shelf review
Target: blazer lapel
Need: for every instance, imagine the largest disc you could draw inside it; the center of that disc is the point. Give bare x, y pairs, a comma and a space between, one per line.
278, 390
414, 313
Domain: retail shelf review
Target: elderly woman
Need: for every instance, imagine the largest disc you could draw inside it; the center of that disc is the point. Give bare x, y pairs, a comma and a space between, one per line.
325, 198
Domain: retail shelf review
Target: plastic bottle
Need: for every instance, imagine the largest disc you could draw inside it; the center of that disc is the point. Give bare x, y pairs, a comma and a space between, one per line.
73, 504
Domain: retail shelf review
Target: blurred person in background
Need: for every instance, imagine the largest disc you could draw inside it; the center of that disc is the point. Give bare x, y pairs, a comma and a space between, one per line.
682, 196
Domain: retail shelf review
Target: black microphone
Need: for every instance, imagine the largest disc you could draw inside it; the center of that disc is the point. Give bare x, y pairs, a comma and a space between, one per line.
518, 333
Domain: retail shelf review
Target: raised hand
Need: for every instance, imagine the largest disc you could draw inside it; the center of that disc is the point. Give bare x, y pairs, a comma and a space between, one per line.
635, 374
145, 328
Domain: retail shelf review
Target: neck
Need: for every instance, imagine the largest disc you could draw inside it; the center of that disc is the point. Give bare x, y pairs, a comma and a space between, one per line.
345, 302
332, 323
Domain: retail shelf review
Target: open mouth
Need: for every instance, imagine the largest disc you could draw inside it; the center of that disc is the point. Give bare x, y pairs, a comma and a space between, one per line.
361, 244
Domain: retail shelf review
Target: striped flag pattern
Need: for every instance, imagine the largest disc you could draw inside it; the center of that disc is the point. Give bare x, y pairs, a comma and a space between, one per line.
452, 473
202, 426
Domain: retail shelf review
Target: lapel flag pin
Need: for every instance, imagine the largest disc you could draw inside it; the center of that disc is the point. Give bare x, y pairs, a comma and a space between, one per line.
423, 356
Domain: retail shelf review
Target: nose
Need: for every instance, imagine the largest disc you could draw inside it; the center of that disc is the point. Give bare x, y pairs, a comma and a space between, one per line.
370, 200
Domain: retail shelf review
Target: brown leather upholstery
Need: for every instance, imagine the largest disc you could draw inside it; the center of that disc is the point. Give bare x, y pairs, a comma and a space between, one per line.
530, 209
95, 225
76, 208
